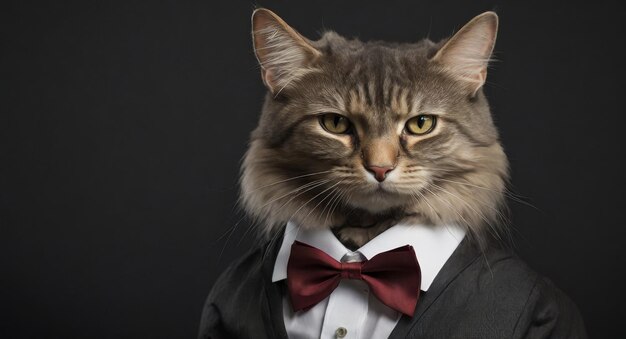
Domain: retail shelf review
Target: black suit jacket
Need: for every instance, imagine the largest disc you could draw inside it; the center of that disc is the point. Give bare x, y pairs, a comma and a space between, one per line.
477, 294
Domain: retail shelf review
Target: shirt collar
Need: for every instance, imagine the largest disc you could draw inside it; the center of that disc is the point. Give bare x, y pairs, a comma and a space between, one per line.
433, 245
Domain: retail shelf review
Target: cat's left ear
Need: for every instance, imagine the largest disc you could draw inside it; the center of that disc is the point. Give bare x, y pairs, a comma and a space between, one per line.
466, 55
284, 54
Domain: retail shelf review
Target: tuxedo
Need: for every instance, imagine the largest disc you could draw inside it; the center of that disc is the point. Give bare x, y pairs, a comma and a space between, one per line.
352, 307
487, 293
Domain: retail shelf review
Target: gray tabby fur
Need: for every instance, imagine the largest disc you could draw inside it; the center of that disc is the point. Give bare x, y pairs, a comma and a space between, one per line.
295, 170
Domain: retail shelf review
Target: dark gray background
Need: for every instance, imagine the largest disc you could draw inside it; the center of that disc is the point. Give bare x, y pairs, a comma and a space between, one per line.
122, 126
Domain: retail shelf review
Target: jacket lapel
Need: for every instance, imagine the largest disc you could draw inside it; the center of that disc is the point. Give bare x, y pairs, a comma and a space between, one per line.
462, 258
273, 316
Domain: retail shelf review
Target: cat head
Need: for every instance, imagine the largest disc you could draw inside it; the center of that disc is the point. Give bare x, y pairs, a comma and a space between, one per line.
373, 128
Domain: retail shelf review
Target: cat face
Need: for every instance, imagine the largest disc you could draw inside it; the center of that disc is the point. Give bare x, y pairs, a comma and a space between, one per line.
375, 128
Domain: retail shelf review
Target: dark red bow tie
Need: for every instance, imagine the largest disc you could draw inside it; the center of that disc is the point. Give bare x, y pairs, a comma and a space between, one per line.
393, 276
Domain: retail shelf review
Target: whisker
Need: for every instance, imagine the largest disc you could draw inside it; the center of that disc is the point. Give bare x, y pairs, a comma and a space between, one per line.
337, 202
317, 195
289, 179
322, 182
343, 202
492, 228
467, 223
509, 194
333, 194
327, 195
233, 228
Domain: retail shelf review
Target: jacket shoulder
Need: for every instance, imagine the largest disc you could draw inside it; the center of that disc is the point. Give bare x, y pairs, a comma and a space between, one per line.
237, 294
539, 307
499, 295
549, 313
243, 272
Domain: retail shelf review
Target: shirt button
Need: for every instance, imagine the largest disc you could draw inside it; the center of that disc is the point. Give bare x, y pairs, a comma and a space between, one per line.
341, 332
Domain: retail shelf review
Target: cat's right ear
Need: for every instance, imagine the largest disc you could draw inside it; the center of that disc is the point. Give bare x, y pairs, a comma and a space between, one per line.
284, 54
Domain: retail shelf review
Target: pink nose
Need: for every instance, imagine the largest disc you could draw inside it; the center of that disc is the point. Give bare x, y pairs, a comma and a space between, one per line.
380, 172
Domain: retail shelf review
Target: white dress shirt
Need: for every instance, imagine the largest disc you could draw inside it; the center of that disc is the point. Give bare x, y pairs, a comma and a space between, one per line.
351, 311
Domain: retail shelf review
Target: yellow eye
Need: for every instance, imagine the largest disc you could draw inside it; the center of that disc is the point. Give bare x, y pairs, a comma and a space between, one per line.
335, 123
421, 124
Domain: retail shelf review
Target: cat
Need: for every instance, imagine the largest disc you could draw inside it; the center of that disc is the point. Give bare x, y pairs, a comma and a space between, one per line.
393, 148
339, 112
